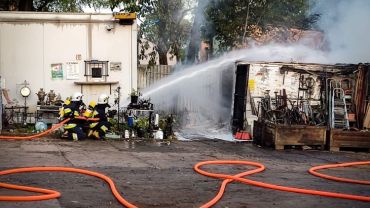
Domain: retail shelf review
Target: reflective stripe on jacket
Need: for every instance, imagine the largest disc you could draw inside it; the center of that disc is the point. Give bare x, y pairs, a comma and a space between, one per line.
70, 126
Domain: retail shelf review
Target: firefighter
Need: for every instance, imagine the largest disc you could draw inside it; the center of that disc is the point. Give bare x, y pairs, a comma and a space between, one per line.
100, 128
72, 110
91, 114
90, 111
61, 110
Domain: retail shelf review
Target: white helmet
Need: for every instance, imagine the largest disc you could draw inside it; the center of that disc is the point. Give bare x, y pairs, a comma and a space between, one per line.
103, 99
77, 96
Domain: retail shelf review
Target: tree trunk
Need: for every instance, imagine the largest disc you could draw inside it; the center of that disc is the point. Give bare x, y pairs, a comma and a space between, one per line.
195, 39
210, 48
194, 42
162, 58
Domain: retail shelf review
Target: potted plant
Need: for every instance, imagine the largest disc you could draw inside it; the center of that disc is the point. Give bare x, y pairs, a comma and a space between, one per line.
134, 95
142, 125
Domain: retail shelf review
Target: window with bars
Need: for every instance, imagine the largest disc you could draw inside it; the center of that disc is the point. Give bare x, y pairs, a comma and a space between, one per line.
96, 70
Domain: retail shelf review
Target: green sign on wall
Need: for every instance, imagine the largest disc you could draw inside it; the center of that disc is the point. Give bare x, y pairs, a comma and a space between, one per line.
57, 71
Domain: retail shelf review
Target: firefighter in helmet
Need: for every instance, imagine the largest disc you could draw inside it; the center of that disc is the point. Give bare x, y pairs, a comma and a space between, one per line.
72, 109
99, 129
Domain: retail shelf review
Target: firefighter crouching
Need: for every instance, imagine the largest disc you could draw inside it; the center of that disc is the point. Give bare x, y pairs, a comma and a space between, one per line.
99, 128
92, 120
72, 109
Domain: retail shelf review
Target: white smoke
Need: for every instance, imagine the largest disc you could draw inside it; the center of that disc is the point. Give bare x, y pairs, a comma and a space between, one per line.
197, 92
346, 28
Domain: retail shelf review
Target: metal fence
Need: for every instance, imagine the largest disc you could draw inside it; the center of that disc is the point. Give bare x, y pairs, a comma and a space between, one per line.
148, 75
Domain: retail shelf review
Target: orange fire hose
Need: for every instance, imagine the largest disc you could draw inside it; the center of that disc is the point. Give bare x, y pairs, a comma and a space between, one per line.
346, 180
35, 135
51, 194
238, 177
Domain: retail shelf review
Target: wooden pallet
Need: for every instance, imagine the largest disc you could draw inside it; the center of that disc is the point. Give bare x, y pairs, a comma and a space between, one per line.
350, 139
351, 149
266, 134
301, 147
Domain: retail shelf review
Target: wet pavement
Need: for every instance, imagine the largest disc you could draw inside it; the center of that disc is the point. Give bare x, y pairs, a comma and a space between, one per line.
160, 174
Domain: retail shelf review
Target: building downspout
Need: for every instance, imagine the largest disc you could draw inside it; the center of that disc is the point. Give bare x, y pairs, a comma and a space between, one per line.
131, 59
89, 40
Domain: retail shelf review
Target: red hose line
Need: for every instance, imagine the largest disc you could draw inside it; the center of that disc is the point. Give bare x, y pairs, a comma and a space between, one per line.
346, 180
229, 178
35, 135
221, 191
51, 194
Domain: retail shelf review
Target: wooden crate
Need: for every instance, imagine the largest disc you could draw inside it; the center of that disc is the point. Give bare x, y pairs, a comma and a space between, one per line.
257, 132
352, 139
280, 135
263, 134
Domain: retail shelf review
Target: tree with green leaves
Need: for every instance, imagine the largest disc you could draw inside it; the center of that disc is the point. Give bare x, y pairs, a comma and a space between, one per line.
163, 23
44, 5
230, 22
62, 5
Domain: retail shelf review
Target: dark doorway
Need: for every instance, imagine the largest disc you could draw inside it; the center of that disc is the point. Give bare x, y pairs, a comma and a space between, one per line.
241, 86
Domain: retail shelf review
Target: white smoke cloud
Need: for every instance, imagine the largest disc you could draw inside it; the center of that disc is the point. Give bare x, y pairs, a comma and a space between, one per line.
197, 91
346, 25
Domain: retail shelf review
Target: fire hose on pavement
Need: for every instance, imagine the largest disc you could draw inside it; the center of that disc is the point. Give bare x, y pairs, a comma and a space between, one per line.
51, 194
261, 167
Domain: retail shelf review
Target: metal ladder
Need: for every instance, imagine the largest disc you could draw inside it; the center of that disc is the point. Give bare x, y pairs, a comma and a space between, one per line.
330, 85
339, 116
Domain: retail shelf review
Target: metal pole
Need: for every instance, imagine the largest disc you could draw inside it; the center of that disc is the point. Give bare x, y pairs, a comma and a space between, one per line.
118, 117
25, 112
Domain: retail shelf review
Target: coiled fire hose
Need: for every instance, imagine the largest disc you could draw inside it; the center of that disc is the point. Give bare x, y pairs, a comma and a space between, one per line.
51, 194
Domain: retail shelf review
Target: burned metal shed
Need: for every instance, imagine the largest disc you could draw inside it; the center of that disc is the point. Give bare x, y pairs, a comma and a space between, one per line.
304, 98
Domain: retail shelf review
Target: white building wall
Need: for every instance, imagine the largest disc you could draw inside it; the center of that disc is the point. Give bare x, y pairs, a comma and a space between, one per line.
21, 58
31, 42
61, 43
